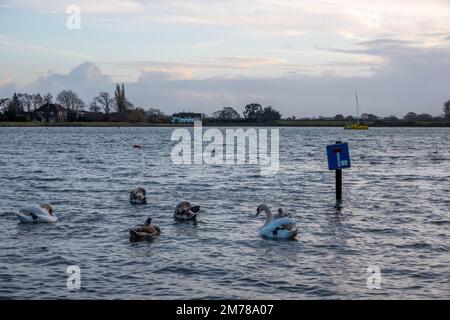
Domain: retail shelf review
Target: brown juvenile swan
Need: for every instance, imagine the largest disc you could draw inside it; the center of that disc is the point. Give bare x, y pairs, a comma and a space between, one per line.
137, 196
184, 211
144, 231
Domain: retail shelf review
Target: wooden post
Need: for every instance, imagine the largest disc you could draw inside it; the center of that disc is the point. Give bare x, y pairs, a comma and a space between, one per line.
338, 183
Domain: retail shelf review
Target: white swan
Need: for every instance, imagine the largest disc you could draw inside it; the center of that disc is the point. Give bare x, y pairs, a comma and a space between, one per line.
33, 214
279, 226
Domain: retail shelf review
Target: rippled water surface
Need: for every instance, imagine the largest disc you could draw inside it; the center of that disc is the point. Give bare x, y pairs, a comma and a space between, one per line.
395, 216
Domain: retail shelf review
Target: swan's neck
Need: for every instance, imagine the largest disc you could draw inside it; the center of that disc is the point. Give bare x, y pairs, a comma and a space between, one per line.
268, 216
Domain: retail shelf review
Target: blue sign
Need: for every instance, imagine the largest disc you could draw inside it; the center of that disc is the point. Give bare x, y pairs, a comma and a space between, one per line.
338, 156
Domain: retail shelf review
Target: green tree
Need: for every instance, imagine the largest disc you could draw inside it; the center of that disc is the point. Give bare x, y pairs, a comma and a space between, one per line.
3, 104
446, 110
269, 114
227, 113
424, 117
410, 116
13, 108
253, 112
121, 102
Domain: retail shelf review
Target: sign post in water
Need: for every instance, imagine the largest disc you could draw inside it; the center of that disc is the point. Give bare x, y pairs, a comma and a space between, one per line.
338, 158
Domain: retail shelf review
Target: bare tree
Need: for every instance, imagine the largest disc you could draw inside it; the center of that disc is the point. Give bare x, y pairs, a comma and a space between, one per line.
70, 100
26, 100
38, 101
94, 107
48, 98
105, 101
128, 105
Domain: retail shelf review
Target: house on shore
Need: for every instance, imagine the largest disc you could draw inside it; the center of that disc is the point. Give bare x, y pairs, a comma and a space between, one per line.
51, 112
90, 116
186, 117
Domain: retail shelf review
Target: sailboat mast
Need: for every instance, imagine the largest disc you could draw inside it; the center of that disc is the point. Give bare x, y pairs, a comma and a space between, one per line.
357, 107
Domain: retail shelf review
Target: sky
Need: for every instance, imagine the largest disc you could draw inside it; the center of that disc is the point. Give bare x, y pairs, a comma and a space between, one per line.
303, 57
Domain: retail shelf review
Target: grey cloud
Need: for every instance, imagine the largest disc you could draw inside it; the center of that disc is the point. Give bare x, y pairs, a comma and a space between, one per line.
87, 79
7, 89
415, 79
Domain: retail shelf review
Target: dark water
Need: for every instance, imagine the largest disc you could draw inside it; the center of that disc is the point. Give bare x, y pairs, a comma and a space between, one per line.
395, 216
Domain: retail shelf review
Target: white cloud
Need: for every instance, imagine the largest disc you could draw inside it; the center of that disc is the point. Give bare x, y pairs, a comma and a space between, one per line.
6, 43
209, 44
86, 79
368, 19
98, 7
394, 51
413, 79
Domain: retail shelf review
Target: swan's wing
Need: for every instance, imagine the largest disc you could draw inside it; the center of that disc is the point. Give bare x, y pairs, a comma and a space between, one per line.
34, 211
32, 214
281, 223
280, 228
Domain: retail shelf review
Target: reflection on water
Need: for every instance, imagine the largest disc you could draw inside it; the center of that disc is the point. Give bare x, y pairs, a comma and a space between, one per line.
395, 215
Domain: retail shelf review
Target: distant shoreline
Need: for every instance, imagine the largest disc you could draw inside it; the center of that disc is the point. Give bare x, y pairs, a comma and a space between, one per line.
281, 123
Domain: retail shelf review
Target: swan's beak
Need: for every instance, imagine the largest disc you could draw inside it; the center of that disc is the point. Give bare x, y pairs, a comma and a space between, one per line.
258, 211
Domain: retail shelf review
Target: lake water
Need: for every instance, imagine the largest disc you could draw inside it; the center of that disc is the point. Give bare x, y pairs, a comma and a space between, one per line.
395, 217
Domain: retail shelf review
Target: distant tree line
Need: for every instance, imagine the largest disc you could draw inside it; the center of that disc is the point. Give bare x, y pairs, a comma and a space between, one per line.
103, 107
253, 113
106, 107
409, 117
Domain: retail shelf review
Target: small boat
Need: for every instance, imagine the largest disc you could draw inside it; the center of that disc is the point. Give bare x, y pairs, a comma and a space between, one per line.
358, 125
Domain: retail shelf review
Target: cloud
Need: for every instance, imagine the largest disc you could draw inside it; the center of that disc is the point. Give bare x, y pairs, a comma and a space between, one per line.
163, 74
6, 43
86, 79
7, 89
209, 44
208, 63
412, 79
99, 7
377, 47
367, 19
